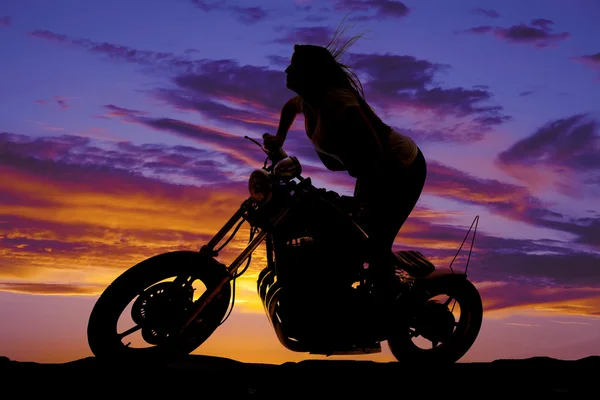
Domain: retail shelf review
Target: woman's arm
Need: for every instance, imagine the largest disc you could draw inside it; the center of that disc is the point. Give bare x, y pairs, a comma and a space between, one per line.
289, 111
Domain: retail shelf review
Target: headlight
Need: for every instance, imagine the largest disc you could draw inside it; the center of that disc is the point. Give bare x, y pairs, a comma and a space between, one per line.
260, 186
288, 168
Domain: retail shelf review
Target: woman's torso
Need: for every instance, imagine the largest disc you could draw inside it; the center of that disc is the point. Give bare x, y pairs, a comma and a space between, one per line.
320, 126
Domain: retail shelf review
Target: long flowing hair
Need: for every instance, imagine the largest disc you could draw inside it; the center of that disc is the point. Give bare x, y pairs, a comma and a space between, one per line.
337, 47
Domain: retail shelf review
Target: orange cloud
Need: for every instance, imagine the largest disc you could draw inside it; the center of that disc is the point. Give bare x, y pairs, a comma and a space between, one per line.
502, 297
90, 226
71, 225
61, 289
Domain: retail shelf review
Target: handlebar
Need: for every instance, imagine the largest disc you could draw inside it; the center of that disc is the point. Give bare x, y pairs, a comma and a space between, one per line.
274, 154
287, 170
277, 152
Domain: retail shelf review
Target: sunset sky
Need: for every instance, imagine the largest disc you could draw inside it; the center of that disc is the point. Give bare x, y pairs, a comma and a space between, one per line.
121, 137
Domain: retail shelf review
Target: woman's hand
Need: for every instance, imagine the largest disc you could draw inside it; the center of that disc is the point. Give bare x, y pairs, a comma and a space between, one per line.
272, 142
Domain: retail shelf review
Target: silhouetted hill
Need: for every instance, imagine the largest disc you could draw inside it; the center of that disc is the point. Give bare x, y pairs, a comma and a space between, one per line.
199, 376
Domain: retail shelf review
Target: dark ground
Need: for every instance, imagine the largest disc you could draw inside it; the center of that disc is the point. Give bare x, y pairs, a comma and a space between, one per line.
199, 376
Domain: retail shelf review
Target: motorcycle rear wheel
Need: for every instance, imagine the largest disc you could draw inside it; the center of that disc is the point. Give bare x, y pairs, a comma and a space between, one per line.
145, 277
464, 333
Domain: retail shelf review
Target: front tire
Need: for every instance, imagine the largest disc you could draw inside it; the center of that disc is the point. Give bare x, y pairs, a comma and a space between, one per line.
457, 340
145, 278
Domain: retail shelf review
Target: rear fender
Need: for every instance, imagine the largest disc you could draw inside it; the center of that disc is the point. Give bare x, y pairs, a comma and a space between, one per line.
441, 272
441, 275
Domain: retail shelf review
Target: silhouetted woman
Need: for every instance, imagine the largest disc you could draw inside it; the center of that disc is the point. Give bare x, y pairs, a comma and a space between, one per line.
348, 136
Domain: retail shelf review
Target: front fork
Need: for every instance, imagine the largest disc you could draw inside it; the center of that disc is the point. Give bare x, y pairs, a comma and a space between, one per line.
209, 250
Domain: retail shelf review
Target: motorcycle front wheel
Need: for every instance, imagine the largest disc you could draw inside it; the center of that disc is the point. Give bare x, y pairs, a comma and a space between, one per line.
443, 324
154, 297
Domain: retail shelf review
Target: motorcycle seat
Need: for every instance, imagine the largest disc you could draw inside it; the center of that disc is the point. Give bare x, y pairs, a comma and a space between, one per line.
414, 262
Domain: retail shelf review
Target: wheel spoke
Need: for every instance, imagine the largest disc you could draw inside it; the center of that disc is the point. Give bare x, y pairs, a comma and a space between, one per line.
450, 298
129, 331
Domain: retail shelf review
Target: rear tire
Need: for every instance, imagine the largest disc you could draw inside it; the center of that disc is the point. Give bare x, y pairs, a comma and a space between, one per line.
466, 330
103, 339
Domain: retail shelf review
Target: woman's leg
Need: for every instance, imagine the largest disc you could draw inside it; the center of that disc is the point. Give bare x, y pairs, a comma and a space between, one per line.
389, 199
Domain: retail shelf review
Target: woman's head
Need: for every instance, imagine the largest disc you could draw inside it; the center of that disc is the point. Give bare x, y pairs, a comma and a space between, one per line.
315, 69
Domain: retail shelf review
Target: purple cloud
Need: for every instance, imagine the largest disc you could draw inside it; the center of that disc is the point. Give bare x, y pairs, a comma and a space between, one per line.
538, 32
245, 85
531, 294
570, 143
250, 15
544, 24
562, 154
486, 12
302, 7
526, 93
279, 61
85, 168
590, 60
477, 29
182, 163
381, 8
316, 18
511, 201
154, 59
532, 90
114, 111
246, 15
61, 102
214, 110
57, 155
5, 21
394, 81
521, 262
238, 151
208, 5
558, 267
320, 15
316, 35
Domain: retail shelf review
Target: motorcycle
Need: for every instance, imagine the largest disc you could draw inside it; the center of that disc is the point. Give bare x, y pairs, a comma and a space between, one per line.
315, 286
